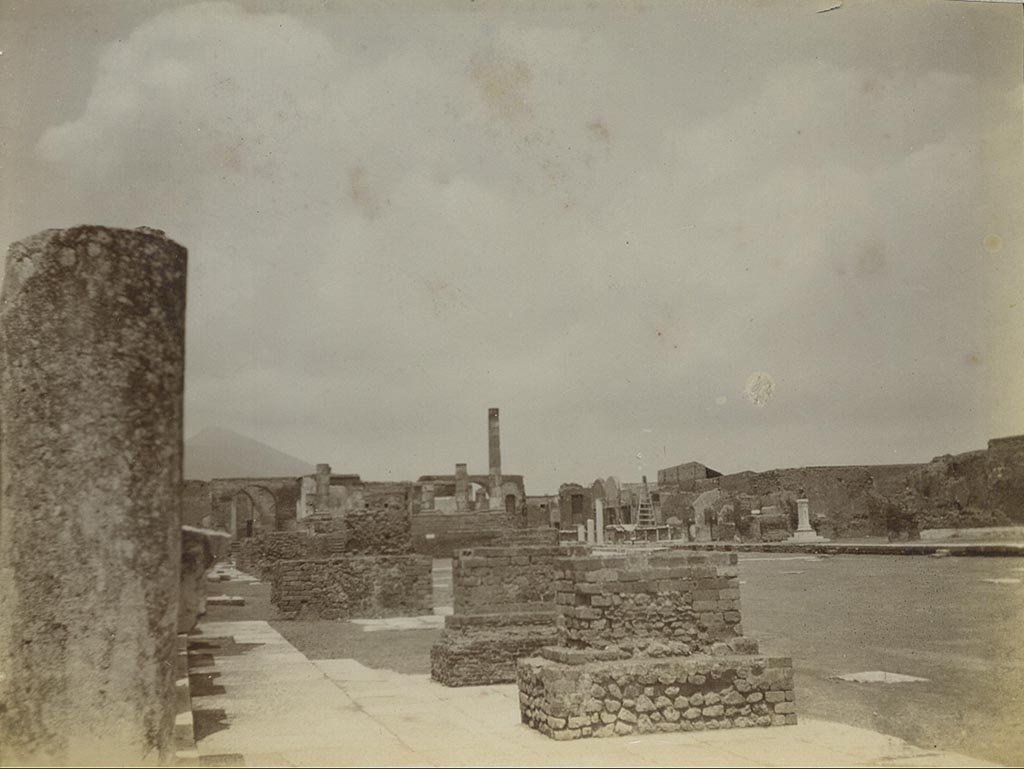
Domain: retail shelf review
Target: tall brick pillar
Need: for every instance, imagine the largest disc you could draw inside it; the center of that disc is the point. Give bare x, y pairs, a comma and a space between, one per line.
92, 331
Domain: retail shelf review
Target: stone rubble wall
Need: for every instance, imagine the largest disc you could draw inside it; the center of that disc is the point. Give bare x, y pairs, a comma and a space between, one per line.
603, 699
385, 531
257, 555
353, 587
486, 652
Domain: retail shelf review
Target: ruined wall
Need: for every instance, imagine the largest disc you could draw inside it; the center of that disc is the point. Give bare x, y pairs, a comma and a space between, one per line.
353, 586
383, 531
686, 475
973, 489
440, 534
979, 488
1005, 471
196, 505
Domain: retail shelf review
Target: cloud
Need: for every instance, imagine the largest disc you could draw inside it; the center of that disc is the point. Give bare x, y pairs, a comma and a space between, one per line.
385, 241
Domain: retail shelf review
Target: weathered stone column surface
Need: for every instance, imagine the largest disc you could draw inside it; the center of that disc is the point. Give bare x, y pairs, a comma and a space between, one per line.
91, 376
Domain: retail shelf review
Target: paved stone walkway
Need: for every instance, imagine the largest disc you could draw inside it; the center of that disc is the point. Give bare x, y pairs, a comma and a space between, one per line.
258, 701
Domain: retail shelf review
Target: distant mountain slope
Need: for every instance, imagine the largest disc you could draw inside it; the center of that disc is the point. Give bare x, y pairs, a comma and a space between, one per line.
217, 452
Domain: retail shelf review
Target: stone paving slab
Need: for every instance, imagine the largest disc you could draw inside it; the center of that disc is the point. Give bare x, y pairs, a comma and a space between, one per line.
281, 709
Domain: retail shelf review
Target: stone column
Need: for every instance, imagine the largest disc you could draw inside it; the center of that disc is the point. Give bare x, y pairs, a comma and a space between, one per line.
581, 532
591, 533
461, 488
323, 488
599, 520
92, 324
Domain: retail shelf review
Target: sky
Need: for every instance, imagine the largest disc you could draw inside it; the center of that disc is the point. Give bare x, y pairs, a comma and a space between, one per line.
749, 234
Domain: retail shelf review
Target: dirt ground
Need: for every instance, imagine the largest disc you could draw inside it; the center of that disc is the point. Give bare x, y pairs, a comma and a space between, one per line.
934, 618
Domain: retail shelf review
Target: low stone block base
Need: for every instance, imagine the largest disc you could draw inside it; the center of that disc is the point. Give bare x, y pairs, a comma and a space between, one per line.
645, 695
475, 650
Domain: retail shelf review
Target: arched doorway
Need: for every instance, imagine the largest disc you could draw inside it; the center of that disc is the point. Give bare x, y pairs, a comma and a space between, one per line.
253, 510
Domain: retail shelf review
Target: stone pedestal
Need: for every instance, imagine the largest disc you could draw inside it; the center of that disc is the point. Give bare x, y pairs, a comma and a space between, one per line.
92, 324
651, 642
504, 610
804, 532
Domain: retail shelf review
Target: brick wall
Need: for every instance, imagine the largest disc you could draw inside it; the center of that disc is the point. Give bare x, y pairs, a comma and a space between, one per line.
504, 579
353, 586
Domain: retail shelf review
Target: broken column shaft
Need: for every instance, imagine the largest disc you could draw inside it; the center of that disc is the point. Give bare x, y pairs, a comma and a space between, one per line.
92, 324
494, 451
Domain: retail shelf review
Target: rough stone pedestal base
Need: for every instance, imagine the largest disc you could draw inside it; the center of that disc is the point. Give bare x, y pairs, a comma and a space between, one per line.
644, 695
480, 649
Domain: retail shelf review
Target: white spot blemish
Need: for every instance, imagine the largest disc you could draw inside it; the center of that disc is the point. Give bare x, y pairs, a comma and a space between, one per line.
760, 388
1003, 581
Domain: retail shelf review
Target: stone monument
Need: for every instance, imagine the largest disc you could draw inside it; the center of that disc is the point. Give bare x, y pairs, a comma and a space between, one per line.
649, 642
804, 532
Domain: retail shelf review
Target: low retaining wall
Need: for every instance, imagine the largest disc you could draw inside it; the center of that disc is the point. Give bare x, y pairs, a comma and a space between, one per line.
353, 586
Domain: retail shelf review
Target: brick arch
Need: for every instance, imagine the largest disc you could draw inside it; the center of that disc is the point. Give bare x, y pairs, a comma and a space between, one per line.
263, 506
